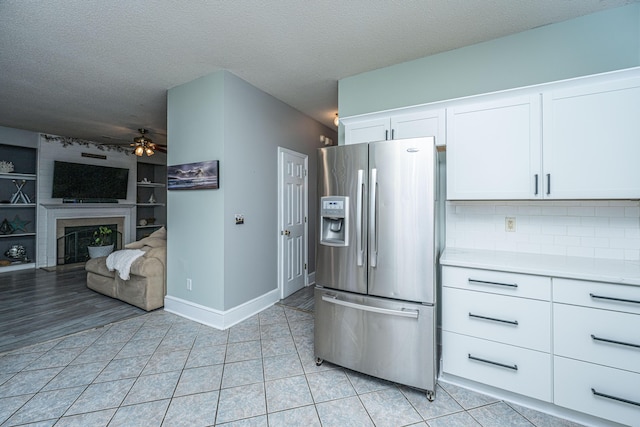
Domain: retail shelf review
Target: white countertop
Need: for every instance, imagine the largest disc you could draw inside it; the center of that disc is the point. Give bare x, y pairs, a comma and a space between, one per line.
594, 269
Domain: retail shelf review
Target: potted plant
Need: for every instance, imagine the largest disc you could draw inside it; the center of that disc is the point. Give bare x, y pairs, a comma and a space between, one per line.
101, 244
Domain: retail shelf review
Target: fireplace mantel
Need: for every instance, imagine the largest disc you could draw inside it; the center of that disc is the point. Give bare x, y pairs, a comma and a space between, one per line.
56, 211
86, 205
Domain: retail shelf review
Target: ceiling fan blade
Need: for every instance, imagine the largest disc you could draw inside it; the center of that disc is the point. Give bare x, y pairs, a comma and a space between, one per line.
161, 148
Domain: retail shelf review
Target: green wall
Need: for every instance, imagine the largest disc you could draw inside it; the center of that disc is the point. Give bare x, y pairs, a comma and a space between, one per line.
195, 249
222, 117
591, 44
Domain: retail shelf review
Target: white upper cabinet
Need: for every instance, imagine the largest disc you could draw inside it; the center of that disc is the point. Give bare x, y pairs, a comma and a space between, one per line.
493, 149
592, 141
367, 131
577, 139
396, 126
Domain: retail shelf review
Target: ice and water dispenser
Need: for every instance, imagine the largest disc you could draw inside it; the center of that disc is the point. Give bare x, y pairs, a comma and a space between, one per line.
334, 221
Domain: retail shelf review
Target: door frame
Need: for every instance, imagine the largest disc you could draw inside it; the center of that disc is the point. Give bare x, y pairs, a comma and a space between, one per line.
281, 240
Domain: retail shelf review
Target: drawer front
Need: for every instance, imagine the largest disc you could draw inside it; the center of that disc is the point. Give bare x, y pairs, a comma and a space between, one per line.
605, 337
516, 369
576, 382
608, 296
498, 282
383, 338
509, 320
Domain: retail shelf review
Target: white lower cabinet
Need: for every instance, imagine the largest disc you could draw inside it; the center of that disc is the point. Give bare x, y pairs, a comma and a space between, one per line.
516, 321
573, 343
598, 336
597, 349
602, 391
517, 369
497, 329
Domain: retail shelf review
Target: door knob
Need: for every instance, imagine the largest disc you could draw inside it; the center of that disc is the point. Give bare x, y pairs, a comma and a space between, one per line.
286, 232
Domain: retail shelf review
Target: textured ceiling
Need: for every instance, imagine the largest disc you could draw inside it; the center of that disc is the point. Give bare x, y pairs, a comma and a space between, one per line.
100, 69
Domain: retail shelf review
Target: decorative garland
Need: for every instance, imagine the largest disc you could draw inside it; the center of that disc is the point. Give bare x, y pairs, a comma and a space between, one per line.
67, 141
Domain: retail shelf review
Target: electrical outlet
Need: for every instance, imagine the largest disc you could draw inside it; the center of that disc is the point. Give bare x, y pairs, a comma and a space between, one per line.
189, 284
510, 224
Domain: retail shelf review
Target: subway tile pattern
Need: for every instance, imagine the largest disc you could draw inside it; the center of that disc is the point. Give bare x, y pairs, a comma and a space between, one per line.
160, 369
592, 229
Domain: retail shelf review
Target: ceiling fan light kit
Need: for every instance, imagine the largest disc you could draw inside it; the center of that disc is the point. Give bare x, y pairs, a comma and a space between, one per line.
143, 144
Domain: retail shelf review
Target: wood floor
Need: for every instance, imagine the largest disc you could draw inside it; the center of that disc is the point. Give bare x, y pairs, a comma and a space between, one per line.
37, 305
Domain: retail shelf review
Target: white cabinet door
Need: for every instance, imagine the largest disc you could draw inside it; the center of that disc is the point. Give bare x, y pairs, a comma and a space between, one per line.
592, 141
604, 392
367, 131
517, 369
494, 150
427, 123
399, 126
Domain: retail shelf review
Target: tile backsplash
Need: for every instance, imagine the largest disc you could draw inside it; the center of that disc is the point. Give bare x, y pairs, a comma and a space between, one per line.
595, 229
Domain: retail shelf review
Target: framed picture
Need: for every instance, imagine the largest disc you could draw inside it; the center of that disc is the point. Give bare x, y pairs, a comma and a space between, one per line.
193, 176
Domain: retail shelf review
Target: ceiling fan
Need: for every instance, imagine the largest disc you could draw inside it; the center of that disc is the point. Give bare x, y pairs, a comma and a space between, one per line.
144, 145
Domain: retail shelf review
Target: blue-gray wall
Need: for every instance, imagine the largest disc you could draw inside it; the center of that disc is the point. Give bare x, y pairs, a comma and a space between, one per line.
600, 42
222, 117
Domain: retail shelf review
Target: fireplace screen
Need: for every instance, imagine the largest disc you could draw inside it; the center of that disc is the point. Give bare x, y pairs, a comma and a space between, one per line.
72, 247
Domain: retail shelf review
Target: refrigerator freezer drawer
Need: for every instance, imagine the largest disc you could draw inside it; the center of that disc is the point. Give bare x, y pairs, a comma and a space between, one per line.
392, 340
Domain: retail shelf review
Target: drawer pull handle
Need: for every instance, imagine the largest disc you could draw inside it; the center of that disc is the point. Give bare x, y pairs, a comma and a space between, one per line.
483, 282
595, 338
608, 396
614, 299
491, 362
493, 319
333, 299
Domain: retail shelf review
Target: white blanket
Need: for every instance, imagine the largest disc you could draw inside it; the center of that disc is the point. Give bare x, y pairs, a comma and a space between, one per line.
122, 260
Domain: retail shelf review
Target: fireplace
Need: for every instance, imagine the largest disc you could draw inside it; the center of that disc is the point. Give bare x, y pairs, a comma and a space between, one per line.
72, 246
64, 215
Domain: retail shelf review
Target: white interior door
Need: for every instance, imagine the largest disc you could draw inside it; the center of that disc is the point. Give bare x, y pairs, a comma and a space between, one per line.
293, 229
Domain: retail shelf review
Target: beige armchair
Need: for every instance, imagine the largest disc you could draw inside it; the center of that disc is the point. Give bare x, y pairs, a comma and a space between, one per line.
146, 286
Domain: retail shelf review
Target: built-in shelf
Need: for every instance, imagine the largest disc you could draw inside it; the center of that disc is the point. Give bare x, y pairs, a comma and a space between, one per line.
18, 191
13, 235
17, 266
17, 205
25, 176
151, 184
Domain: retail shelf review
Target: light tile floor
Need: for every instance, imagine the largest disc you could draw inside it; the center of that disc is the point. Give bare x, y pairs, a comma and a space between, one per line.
160, 369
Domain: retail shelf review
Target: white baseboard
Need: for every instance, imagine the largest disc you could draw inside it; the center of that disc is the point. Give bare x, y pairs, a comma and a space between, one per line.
311, 278
216, 318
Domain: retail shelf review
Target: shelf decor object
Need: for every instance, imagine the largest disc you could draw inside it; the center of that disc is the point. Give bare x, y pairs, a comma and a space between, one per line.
193, 176
6, 167
18, 224
19, 196
5, 227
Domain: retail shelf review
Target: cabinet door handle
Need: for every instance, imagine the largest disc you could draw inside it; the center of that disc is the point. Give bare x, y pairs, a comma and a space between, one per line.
393, 134
483, 282
608, 396
548, 184
493, 319
614, 299
491, 362
386, 135
595, 338
536, 188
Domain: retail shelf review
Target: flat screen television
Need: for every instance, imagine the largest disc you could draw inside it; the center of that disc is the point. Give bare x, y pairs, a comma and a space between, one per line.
89, 183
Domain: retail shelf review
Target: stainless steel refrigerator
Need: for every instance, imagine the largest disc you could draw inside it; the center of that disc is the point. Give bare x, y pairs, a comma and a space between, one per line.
376, 260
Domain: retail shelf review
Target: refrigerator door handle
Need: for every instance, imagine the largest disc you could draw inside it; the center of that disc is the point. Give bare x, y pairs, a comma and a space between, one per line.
373, 220
333, 299
359, 219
